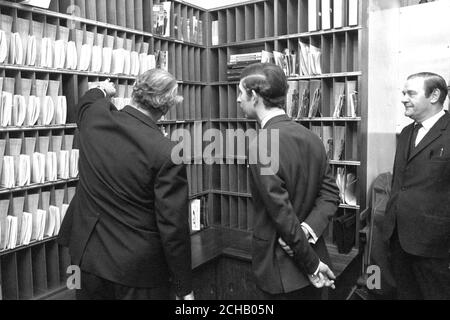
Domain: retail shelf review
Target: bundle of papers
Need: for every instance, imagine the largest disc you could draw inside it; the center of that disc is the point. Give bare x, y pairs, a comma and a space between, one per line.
8, 176
47, 111
63, 164
23, 170
73, 166
26, 229
51, 166
4, 206
11, 232
310, 59
6, 105
38, 168
4, 47
347, 183
39, 224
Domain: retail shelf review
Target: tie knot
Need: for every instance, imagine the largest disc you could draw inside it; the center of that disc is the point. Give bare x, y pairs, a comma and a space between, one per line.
417, 125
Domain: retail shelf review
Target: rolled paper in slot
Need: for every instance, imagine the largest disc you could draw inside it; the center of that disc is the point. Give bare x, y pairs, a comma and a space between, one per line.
38, 168
47, 111
60, 54
33, 110
31, 51
73, 167
53, 89
4, 47
72, 57
19, 110
127, 62
61, 111
96, 65
30, 146
85, 59
6, 108
134, 63
118, 61
107, 60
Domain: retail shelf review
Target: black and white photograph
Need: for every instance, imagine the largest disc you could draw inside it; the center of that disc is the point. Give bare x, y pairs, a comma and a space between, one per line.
239, 154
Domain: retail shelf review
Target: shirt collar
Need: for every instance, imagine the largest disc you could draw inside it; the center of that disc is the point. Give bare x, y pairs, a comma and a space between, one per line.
430, 122
272, 113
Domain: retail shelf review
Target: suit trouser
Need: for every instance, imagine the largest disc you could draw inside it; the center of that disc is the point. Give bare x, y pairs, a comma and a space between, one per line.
96, 288
419, 278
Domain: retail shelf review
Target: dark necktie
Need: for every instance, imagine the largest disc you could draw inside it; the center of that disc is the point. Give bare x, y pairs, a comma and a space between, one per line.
412, 143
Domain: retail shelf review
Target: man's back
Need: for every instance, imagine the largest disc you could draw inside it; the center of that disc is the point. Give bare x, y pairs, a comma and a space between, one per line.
119, 211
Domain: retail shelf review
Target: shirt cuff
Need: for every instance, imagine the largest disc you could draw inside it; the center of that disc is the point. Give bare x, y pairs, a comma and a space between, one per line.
312, 238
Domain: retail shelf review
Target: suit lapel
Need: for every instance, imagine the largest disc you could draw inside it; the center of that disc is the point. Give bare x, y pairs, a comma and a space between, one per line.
434, 133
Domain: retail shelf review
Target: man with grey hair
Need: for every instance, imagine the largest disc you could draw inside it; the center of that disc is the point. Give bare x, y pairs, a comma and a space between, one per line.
417, 221
127, 226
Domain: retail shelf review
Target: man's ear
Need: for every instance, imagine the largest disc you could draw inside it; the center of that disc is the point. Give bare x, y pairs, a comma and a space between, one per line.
255, 97
435, 95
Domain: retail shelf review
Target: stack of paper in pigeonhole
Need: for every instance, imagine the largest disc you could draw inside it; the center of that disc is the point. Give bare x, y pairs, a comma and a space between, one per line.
7, 95
107, 56
61, 47
35, 46
5, 37
97, 53
4, 207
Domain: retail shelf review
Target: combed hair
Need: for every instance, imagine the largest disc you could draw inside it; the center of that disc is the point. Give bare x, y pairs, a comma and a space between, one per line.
267, 80
156, 89
432, 81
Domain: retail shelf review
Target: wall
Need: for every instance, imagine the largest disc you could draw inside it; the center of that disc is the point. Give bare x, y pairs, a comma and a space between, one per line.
401, 41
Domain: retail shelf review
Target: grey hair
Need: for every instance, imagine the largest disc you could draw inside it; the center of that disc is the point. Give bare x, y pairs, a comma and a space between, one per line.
156, 89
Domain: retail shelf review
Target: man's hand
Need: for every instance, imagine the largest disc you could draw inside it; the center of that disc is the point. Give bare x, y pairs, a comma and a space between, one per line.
108, 87
189, 296
324, 278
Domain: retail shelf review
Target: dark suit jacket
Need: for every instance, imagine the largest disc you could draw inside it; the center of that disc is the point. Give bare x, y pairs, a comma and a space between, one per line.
420, 198
303, 190
128, 221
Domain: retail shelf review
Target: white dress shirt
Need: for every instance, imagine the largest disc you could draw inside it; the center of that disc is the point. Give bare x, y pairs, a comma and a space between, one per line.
427, 125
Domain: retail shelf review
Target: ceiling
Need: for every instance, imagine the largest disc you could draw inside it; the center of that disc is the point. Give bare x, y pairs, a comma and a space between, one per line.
209, 4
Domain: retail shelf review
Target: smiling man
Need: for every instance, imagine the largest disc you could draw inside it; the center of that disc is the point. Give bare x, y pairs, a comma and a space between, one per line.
418, 213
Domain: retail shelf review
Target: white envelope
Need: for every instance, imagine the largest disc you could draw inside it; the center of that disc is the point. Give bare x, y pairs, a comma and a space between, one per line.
33, 110
107, 60
127, 62
61, 110
118, 61
60, 54
51, 221
11, 232
73, 166
31, 51
41, 223
7, 180
47, 111
51, 167
6, 108
97, 53
3, 46
19, 110
38, 168
85, 59
24, 174
72, 57
18, 49
135, 63
27, 228
63, 164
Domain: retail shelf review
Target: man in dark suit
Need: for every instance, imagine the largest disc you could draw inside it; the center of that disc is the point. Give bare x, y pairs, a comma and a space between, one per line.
417, 221
294, 198
127, 226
